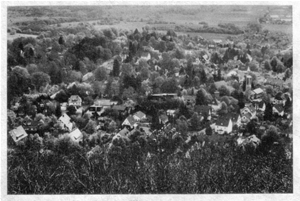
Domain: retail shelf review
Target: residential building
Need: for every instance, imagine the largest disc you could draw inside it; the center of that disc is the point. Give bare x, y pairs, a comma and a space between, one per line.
75, 100
223, 125
130, 122
76, 135
65, 122
278, 109
18, 134
139, 116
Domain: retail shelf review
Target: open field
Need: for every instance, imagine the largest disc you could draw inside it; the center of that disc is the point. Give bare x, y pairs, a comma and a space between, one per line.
132, 17
18, 35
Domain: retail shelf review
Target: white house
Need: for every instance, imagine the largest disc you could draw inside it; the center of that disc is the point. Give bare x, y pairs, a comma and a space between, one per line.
223, 125
18, 134
139, 116
249, 109
66, 123
75, 100
76, 135
130, 122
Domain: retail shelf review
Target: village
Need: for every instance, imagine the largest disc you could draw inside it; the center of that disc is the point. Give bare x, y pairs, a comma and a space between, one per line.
148, 94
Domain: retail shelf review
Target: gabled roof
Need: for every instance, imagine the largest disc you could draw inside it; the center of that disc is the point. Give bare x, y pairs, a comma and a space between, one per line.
103, 102
75, 98
130, 119
223, 121
279, 107
139, 114
247, 115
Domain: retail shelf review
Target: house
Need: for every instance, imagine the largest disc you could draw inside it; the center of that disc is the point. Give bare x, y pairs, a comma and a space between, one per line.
278, 109
124, 132
130, 122
171, 113
75, 100
204, 111
163, 119
187, 99
249, 109
260, 106
65, 121
18, 134
223, 125
76, 135
245, 118
121, 109
235, 118
277, 101
139, 116
31, 126
256, 94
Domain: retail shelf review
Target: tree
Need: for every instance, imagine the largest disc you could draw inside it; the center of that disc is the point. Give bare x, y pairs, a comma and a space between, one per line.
40, 79
169, 86
100, 74
201, 98
129, 93
253, 66
224, 91
195, 122
196, 81
267, 65
273, 63
61, 40
145, 73
208, 130
270, 136
32, 68
127, 69
254, 27
116, 68
224, 109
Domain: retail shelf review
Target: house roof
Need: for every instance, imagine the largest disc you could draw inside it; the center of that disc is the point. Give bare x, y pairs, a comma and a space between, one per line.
247, 115
75, 98
76, 135
274, 81
258, 91
119, 107
124, 131
279, 107
233, 116
140, 114
223, 121
103, 102
18, 133
130, 119
202, 109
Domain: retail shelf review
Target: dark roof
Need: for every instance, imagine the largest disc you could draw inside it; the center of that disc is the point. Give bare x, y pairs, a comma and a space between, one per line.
233, 116
223, 121
261, 104
279, 107
139, 114
247, 115
119, 107
201, 109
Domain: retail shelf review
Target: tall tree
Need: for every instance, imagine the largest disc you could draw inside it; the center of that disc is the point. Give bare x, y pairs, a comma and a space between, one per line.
116, 68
